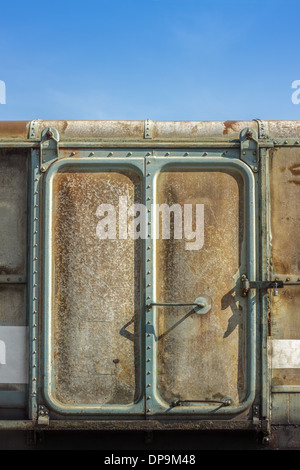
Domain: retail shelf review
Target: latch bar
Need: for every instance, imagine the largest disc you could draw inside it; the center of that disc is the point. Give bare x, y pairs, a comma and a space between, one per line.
176, 304
276, 284
201, 305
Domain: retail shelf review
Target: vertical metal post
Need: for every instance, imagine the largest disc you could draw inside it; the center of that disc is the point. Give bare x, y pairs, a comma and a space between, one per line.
150, 341
33, 263
264, 255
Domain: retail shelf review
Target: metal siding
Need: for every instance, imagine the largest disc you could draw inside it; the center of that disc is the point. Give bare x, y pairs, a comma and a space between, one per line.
96, 292
201, 357
285, 205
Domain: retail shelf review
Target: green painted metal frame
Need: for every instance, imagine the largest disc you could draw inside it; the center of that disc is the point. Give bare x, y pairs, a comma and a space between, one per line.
212, 161
150, 167
48, 381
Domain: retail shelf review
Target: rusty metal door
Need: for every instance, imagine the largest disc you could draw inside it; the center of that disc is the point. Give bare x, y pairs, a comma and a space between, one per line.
92, 291
200, 360
113, 344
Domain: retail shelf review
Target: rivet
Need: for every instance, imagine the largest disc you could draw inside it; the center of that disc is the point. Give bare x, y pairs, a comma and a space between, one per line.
72, 154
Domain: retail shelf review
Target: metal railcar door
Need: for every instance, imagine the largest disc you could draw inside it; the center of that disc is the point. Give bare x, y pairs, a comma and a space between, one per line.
149, 323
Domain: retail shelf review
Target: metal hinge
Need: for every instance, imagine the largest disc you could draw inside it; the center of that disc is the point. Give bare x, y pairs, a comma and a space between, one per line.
49, 147
263, 285
250, 148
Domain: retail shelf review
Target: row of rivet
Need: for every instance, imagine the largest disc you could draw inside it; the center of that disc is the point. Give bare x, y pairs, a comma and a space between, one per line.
149, 294
130, 154
35, 256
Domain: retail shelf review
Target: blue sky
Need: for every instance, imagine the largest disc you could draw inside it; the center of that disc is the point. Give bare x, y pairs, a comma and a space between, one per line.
157, 59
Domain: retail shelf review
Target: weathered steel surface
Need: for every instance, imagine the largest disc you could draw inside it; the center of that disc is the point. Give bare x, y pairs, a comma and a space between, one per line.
12, 302
13, 209
96, 299
201, 357
285, 210
99, 327
14, 129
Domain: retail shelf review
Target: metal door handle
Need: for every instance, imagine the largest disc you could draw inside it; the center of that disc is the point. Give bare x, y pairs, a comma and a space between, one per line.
201, 305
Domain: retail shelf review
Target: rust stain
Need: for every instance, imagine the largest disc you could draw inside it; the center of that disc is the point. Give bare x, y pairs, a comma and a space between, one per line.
229, 126
295, 169
14, 129
97, 292
191, 347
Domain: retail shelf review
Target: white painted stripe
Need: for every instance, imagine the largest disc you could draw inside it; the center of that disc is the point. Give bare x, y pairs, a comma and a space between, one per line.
285, 354
13, 354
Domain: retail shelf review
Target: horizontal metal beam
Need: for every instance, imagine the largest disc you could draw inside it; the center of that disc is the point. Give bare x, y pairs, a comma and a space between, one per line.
13, 279
134, 425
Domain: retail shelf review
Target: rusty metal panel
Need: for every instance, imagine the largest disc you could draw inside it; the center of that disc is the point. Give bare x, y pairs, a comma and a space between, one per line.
285, 210
201, 357
13, 236
94, 317
13, 207
12, 305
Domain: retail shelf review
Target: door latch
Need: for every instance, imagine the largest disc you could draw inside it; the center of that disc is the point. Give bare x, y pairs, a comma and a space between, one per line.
201, 305
263, 285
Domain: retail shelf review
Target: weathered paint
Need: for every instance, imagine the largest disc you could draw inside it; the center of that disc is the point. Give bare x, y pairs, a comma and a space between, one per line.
285, 327
211, 344
13, 208
99, 341
97, 293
